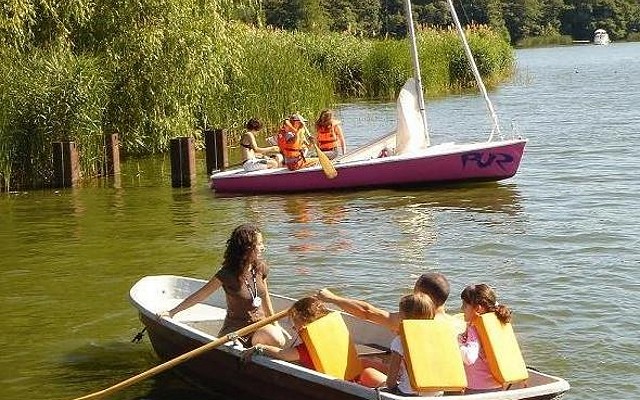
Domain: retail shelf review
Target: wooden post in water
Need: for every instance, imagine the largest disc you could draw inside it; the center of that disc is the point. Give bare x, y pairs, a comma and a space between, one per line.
66, 171
111, 154
183, 162
215, 143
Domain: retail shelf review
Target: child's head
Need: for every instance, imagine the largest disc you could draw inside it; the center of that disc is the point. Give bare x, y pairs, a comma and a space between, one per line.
325, 118
254, 124
480, 299
435, 285
306, 310
416, 306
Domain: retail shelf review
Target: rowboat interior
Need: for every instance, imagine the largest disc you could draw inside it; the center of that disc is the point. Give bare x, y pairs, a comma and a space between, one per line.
273, 378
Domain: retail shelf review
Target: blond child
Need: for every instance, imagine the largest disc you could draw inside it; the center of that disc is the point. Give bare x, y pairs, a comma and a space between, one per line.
412, 306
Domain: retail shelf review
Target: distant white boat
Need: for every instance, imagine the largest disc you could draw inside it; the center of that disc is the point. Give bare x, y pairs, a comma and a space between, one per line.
601, 37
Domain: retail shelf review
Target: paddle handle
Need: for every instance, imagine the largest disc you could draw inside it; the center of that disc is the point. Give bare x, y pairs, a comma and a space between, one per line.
184, 357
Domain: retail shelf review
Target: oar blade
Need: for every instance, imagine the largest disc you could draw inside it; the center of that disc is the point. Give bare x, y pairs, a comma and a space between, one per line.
327, 166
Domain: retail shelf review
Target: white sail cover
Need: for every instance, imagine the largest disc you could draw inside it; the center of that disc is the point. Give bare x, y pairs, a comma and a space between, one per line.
410, 134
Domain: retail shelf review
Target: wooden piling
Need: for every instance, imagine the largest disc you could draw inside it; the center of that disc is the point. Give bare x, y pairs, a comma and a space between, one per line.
66, 170
111, 155
183, 162
216, 153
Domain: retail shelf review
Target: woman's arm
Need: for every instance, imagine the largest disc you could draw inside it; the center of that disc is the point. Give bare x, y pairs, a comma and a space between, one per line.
394, 370
361, 309
266, 299
196, 297
288, 354
340, 135
256, 148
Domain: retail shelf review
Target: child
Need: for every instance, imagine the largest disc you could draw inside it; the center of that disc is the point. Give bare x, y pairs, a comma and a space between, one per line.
412, 306
293, 143
257, 158
477, 300
303, 312
329, 134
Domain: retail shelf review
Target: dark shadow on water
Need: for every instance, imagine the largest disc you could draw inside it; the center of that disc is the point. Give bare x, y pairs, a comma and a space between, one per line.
481, 197
96, 367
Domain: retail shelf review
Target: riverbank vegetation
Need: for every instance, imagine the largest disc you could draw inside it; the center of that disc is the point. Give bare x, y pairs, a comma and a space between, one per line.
518, 20
156, 69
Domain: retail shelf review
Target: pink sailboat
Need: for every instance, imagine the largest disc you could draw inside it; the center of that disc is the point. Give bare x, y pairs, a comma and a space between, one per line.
402, 158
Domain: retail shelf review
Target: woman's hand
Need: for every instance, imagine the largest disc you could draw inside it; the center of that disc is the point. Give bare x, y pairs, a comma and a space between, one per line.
248, 353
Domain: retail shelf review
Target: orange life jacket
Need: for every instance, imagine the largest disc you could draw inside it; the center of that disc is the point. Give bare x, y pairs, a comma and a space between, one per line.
327, 138
291, 144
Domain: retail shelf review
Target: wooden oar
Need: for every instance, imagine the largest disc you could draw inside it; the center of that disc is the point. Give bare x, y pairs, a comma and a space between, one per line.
326, 164
184, 357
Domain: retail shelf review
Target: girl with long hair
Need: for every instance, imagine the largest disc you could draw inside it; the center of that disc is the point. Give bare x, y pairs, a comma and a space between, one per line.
243, 277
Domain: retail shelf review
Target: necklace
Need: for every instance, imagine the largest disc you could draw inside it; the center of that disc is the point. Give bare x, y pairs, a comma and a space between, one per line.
256, 301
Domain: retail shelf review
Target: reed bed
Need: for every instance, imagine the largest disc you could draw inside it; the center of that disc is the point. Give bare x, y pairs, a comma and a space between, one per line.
150, 84
545, 40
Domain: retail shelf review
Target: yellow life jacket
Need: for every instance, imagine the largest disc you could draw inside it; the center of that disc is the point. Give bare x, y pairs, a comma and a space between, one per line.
501, 348
432, 356
331, 348
327, 138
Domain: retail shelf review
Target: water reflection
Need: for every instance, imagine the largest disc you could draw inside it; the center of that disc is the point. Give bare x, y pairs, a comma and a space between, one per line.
182, 208
490, 197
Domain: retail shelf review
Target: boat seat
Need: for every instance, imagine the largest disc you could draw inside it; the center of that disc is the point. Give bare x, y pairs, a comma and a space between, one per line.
331, 347
502, 350
371, 349
432, 356
201, 312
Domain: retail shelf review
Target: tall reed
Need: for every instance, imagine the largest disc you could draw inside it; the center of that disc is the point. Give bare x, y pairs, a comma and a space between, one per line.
52, 96
186, 68
275, 79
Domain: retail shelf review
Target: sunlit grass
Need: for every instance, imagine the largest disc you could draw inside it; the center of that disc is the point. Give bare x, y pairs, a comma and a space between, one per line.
150, 83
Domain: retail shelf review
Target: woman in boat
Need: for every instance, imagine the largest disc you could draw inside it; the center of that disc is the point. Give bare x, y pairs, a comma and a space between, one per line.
477, 300
303, 312
253, 155
411, 306
293, 143
329, 134
243, 277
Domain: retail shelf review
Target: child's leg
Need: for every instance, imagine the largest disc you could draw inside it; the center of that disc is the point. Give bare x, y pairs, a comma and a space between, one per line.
371, 377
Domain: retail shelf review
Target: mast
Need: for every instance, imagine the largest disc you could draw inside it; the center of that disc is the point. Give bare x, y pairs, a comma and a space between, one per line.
474, 69
416, 69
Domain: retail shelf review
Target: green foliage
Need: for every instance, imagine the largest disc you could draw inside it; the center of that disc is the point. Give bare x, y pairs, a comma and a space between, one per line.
152, 70
549, 40
386, 68
165, 56
53, 96
276, 79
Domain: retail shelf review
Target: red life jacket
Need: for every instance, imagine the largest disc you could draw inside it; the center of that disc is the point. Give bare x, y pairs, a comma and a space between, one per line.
292, 145
327, 138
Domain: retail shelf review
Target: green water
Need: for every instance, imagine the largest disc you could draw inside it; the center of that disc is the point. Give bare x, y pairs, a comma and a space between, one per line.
559, 241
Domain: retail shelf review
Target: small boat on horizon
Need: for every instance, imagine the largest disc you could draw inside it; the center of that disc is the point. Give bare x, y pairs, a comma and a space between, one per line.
601, 37
222, 370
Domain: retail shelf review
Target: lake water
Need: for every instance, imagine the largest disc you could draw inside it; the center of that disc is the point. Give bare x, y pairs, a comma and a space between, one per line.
559, 241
